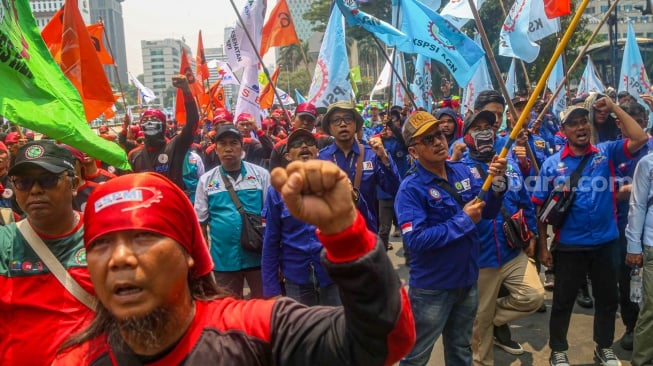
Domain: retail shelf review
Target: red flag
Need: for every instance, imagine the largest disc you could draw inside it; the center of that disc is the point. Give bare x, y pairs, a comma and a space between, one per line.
202, 68
81, 65
267, 95
557, 8
279, 30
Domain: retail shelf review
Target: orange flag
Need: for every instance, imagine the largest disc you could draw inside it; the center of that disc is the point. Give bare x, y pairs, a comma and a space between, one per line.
52, 34
267, 95
96, 31
202, 68
81, 65
279, 30
217, 95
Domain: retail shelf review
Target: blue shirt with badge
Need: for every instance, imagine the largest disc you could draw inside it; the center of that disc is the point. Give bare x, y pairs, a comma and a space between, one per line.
592, 219
442, 239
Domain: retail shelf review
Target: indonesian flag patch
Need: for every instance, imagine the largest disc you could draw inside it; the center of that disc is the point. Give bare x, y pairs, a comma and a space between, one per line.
406, 228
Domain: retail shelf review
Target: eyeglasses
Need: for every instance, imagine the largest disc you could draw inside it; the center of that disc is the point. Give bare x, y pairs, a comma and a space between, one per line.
338, 120
428, 140
47, 181
300, 141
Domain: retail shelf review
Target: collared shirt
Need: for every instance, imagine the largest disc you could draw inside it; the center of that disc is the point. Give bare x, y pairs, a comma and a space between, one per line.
639, 231
374, 173
214, 206
592, 219
442, 239
495, 250
289, 245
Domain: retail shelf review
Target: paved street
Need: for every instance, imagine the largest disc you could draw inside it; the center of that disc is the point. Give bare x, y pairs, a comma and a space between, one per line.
532, 332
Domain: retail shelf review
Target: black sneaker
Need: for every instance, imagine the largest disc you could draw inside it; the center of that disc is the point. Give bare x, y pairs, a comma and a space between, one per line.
502, 339
584, 299
626, 341
606, 357
558, 359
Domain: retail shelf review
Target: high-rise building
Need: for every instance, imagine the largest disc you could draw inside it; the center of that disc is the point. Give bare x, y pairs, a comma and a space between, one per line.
297, 9
110, 11
44, 10
161, 61
229, 90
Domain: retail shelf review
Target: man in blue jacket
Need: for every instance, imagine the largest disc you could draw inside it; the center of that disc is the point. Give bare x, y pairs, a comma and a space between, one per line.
290, 246
437, 211
586, 242
500, 263
343, 122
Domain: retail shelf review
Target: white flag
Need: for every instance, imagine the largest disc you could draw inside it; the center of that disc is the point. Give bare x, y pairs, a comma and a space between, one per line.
147, 93
480, 81
557, 74
511, 80
226, 75
238, 48
523, 27
384, 79
589, 82
248, 95
458, 12
286, 99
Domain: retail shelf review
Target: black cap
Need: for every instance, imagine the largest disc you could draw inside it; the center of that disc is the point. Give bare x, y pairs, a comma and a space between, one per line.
486, 97
44, 154
486, 115
228, 129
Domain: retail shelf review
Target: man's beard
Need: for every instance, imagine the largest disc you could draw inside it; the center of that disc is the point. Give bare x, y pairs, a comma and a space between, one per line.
144, 331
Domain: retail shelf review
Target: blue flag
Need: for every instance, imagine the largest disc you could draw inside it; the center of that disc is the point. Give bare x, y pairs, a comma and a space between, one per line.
633, 78
557, 74
526, 23
480, 81
300, 98
382, 30
331, 77
589, 82
421, 86
430, 35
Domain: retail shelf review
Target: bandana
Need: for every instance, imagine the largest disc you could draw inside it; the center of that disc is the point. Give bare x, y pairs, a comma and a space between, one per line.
147, 201
481, 144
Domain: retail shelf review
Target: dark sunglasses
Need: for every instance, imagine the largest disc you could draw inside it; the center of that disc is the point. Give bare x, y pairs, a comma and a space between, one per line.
47, 181
298, 143
429, 139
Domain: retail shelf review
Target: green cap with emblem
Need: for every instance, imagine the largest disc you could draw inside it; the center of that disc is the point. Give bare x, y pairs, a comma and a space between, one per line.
44, 154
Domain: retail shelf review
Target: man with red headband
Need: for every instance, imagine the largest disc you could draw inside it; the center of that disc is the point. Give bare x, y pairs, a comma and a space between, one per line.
157, 153
256, 150
159, 303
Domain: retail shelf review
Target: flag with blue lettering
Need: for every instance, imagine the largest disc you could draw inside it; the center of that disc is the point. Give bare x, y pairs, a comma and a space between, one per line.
300, 98
421, 86
331, 77
526, 23
248, 95
511, 79
382, 30
480, 81
458, 12
589, 82
633, 78
430, 35
557, 74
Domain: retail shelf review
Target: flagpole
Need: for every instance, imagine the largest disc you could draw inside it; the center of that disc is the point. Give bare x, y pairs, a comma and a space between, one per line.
504, 91
540, 85
115, 67
394, 72
260, 59
577, 61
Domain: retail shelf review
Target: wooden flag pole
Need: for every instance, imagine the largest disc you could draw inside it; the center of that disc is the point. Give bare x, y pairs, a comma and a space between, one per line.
395, 72
502, 86
577, 61
260, 59
538, 89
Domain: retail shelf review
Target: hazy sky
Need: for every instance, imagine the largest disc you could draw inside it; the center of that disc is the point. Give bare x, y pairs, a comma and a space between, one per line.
160, 19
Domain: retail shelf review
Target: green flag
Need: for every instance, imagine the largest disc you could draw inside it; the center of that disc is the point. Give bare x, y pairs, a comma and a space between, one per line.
36, 94
355, 73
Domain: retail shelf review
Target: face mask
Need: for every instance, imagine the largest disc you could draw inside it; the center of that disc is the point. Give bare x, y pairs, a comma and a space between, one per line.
481, 144
152, 127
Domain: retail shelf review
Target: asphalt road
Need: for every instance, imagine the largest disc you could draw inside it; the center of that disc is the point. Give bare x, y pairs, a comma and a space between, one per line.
533, 332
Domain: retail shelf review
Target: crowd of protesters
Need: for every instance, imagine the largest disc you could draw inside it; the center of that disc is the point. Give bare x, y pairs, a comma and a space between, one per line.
474, 256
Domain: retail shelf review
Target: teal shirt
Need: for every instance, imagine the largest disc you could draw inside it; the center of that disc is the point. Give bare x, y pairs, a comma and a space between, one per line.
215, 207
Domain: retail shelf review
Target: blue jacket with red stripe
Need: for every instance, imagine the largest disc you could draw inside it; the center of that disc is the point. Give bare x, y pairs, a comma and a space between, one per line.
592, 219
442, 239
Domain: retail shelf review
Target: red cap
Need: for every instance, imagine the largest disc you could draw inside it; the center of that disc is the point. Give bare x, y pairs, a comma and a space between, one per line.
147, 201
268, 122
135, 129
222, 115
77, 154
11, 138
140, 134
103, 129
245, 117
156, 113
306, 108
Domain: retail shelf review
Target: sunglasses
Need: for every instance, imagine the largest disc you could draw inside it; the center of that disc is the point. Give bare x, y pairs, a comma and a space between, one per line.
299, 142
428, 140
47, 181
